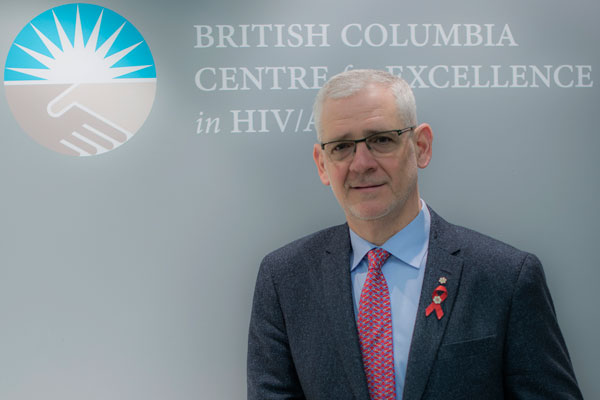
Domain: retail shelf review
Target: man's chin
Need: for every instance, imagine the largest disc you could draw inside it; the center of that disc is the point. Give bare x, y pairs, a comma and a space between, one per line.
365, 213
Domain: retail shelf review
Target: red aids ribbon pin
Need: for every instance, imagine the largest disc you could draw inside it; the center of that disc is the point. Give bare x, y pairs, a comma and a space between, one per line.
439, 295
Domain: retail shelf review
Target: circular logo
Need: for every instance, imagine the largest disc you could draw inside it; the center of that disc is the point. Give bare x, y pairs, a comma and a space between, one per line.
80, 79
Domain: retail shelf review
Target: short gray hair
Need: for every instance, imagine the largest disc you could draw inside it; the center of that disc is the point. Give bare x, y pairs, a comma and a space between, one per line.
347, 83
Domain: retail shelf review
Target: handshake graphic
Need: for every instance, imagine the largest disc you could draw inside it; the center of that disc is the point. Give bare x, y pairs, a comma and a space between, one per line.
82, 119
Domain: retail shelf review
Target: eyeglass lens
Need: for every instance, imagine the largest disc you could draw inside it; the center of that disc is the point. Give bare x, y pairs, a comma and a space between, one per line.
380, 143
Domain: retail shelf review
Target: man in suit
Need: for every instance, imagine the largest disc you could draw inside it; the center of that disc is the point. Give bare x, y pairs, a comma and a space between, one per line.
397, 303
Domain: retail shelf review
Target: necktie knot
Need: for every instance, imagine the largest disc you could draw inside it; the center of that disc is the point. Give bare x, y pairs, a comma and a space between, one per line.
376, 258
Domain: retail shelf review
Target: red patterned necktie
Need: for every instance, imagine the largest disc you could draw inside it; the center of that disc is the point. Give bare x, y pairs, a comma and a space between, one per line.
375, 329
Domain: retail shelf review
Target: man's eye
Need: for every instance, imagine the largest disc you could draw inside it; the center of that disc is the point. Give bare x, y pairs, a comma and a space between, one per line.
381, 140
341, 147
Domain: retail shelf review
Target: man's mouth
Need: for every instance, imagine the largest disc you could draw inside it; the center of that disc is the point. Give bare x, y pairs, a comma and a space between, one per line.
366, 186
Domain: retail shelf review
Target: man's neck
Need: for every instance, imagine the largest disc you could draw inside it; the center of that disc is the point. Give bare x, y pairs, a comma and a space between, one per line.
378, 231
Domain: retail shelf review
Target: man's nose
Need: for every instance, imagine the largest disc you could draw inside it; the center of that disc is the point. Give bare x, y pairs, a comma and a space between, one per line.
363, 159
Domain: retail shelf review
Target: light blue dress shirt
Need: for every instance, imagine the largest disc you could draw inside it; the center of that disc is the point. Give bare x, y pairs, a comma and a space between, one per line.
404, 272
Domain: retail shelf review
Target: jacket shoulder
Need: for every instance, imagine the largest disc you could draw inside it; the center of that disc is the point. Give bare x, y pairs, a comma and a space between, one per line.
472, 245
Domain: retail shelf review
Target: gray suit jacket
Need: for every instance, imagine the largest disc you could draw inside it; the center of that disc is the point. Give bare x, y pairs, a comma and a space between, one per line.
498, 338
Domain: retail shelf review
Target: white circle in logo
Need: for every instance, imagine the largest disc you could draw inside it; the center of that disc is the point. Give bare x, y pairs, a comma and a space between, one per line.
80, 79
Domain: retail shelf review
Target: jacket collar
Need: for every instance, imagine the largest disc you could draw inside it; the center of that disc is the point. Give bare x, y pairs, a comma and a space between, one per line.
336, 292
442, 261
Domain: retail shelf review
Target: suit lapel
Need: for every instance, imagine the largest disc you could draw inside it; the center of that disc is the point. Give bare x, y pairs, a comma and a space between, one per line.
428, 332
338, 303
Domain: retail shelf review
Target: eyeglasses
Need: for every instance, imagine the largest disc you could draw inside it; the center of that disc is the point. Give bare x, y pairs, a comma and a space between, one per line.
378, 143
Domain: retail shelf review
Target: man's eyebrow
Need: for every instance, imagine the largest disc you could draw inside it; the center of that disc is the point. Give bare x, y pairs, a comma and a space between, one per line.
373, 131
345, 136
365, 133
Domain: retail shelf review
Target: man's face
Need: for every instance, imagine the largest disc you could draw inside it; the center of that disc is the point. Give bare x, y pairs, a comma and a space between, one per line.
367, 187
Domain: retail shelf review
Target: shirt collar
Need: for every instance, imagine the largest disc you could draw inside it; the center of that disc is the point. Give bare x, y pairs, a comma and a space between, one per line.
408, 245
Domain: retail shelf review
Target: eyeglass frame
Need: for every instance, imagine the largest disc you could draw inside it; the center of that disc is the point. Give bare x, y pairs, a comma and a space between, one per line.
357, 141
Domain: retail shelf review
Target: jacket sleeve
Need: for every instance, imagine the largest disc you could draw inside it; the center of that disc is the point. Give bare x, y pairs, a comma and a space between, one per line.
537, 364
271, 374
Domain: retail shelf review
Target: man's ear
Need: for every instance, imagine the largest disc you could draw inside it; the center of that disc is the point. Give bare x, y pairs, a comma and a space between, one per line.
423, 145
320, 161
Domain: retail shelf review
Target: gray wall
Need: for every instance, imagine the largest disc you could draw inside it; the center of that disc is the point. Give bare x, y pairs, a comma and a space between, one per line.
129, 275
